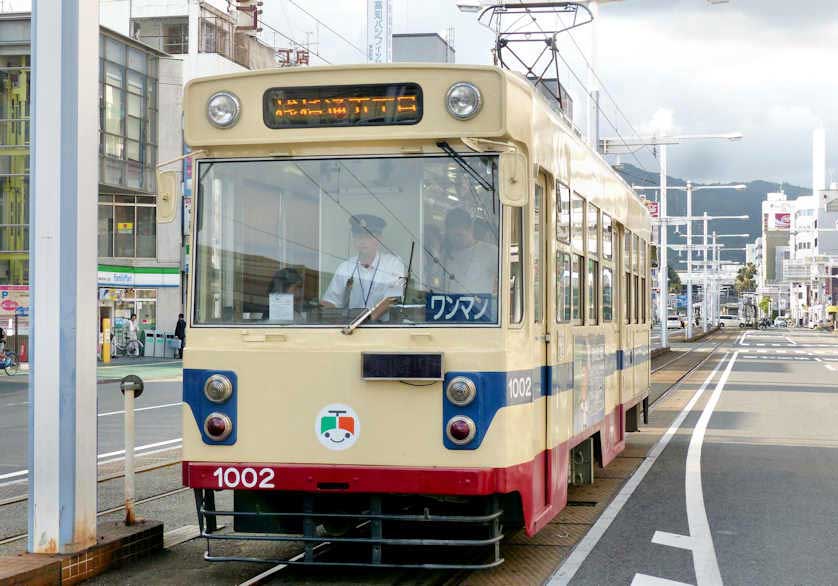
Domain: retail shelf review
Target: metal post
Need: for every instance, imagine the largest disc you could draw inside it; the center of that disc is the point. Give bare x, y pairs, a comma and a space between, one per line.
690, 316
704, 306
716, 286
129, 455
663, 269
62, 255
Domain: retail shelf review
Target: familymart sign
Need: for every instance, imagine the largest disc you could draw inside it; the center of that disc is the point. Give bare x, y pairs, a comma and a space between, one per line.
120, 276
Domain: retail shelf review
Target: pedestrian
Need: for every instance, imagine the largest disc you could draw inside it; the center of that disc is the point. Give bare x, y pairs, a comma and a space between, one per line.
133, 342
180, 334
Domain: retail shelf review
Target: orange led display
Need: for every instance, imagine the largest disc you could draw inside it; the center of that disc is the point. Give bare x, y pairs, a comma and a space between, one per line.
356, 105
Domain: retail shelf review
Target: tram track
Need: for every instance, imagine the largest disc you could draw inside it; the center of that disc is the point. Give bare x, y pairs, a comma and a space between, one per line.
681, 356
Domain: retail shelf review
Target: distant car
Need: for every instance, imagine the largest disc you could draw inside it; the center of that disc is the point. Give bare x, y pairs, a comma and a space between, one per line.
781, 322
732, 321
673, 322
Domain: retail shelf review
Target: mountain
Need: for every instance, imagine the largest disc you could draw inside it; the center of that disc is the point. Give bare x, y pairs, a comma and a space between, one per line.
717, 202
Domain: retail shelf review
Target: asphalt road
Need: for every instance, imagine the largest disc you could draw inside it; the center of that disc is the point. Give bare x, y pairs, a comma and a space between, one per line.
157, 419
746, 490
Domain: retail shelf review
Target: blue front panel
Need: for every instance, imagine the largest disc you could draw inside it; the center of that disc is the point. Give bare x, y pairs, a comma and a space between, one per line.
193, 395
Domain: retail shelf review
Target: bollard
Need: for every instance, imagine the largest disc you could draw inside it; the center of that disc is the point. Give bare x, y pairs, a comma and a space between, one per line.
106, 340
131, 387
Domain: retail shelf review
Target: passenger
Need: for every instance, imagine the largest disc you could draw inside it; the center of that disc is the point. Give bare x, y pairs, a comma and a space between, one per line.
371, 275
471, 265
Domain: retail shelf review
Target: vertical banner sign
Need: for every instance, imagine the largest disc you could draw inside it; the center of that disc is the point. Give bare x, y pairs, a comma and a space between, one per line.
379, 31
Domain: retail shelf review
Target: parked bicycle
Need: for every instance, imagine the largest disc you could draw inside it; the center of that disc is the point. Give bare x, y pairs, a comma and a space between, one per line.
10, 363
127, 347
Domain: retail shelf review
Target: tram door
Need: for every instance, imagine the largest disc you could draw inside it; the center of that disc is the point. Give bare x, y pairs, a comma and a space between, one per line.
540, 250
623, 288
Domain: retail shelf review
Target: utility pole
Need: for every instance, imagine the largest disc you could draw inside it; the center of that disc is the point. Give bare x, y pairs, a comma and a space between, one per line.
663, 268
690, 315
704, 306
64, 177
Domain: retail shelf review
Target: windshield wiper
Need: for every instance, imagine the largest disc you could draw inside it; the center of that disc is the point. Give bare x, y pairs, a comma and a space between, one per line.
371, 312
461, 161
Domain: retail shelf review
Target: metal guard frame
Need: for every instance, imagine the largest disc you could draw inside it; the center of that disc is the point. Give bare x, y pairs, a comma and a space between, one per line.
373, 518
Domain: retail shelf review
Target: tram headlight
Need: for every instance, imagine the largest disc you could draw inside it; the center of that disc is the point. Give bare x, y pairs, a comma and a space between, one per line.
461, 391
460, 429
223, 109
463, 100
218, 426
218, 388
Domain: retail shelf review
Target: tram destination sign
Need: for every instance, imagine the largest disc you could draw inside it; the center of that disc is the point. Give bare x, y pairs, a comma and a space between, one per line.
343, 105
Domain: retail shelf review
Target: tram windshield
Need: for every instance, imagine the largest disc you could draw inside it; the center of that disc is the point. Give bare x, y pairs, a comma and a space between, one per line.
314, 242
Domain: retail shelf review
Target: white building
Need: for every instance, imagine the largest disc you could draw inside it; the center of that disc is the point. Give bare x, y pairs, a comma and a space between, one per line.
773, 249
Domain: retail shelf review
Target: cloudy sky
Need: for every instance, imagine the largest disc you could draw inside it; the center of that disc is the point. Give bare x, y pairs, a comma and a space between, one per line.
766, 68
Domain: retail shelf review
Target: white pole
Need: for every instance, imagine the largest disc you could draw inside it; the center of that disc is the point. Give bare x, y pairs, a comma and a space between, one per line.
592, 117
704, 293
129, 454
690, 316
64, 177
663, 270
715, 286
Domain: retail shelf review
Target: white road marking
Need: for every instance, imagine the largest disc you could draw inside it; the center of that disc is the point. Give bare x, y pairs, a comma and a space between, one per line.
178, 404
644, 580
21, 404
143, 450
704, 554
565, 573
673, 540
792, 342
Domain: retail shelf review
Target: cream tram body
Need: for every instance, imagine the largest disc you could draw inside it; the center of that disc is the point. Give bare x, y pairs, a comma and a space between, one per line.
565, 359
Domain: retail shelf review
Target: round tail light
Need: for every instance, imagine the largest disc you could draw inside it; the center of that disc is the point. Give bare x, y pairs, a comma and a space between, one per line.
460, 429
461, 391
218, 426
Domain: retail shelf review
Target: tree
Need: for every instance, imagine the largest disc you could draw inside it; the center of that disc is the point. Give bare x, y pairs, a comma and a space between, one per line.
674, 280
764, 305
746, 278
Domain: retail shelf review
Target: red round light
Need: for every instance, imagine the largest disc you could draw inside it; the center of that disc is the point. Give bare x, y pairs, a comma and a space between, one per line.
218, 426
459, 429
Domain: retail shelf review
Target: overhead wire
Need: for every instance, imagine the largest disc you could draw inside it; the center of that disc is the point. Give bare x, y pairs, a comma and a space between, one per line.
589, 93
330, 29
295, 42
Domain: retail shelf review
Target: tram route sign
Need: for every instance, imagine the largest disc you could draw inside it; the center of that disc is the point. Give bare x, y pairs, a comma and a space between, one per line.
343, 105
460, 308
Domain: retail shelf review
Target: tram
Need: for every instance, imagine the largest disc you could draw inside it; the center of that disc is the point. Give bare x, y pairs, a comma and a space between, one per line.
418, 309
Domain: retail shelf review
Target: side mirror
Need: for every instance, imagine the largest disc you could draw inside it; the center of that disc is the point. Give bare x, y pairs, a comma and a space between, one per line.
514, 179
167, 196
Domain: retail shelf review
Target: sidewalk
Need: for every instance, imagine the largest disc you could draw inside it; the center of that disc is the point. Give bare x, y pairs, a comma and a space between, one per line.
149, 369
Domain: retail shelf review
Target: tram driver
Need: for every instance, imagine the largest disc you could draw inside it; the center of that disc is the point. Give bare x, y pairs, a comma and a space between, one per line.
471, 265
371, 275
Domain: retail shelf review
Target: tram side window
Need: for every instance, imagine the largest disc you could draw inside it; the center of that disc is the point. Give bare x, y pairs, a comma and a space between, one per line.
627, 269
645, 301
577, 267
593, 230
637, 299
516, 267
577, 233
563, 302
627, 298
607, 237
562, 212
607, 294
592, 292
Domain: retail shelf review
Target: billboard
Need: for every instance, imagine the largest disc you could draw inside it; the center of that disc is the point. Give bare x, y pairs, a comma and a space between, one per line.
779, 221
653, 208
379, 31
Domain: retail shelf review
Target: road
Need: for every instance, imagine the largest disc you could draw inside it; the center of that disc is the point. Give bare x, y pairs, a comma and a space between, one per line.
157, 420
746, 489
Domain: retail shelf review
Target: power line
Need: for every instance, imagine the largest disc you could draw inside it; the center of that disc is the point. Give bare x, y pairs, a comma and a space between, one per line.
295, 42
327, 27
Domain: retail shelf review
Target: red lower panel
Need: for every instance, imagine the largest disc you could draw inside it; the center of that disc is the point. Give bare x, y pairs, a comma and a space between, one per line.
541, 482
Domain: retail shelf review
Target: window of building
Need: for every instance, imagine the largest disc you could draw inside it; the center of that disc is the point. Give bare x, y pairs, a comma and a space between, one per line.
577, 213
607, 294
592, 292
128, 116
576, 269
127, 226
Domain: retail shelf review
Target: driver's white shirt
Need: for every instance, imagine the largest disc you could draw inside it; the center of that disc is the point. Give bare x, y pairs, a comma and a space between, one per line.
384, 277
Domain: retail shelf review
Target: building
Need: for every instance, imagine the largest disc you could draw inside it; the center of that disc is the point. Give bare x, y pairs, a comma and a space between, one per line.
422, 48
773, 250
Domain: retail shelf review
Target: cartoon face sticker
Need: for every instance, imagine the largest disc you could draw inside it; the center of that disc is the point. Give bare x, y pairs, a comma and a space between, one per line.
337, 427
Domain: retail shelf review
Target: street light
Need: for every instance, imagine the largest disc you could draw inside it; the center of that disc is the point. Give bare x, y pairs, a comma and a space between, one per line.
689, 188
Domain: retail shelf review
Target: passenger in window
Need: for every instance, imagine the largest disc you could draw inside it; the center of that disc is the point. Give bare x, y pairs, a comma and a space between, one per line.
470, 264
368, 277
288, 281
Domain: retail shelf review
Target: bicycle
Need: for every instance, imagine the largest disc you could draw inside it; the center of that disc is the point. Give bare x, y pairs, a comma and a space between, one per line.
10, 363
128, 348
